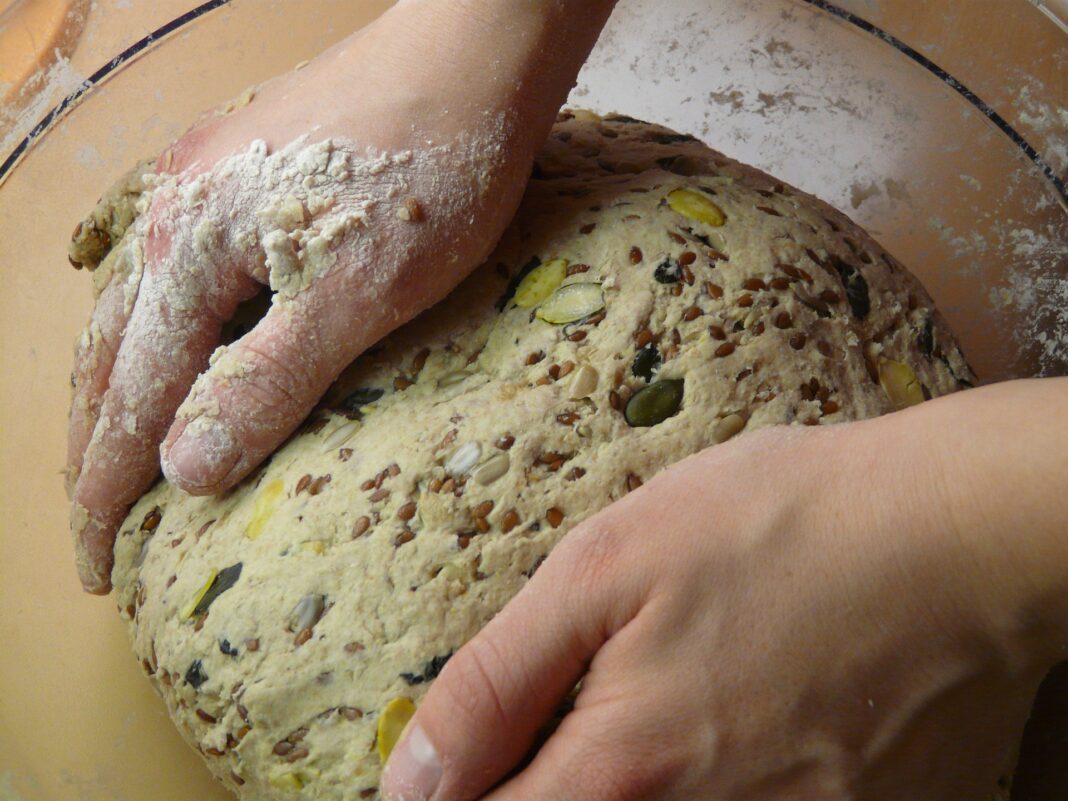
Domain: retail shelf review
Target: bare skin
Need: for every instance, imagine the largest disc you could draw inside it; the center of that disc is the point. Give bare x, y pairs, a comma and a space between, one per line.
857, 612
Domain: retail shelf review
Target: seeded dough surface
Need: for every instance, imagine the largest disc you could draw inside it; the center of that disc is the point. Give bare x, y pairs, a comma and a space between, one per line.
444, 464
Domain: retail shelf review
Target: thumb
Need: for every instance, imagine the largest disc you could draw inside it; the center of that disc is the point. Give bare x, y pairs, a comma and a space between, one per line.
483, 713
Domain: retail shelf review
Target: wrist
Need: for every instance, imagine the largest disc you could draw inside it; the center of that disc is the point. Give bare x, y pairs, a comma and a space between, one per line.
993, 463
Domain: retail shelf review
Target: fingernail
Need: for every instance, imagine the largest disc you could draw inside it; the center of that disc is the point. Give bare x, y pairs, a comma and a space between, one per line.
413, 770
203, 454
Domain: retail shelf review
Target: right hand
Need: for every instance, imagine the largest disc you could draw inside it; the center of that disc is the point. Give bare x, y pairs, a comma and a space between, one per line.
409, 121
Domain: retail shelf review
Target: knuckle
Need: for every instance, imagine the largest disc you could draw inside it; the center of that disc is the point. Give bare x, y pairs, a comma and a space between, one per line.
592, 555
275, 382
474, 683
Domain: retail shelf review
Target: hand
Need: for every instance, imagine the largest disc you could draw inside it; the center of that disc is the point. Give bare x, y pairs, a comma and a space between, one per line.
362, 188
797, 614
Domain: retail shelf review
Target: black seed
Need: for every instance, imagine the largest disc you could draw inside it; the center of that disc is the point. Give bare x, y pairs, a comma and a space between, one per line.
646, 361
226, 648
855, 286
927, 337
350, 406
668, 272
224, 580
686, 166
624, 118
196, 676
672, 138
430, 670
513, 285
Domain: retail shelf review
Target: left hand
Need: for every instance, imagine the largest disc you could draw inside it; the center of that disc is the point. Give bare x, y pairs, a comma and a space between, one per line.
797, 614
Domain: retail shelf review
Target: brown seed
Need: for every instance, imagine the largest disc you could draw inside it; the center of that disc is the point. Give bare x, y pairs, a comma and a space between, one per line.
798, 340
554, 371
435, 484
829, 407
151, 520
633, 482
780, 283
726, 349
412, 210
360, 527
714, 290
243, 714
692, 313
350, 712
215, 752
344, 454
353, 647
575, 473
420, 360
237, 779
745, 301
769, 210
318, 484
505, 442
379, 495
615, 400
534, 358
296, 754
789, 269
252, 645
171, 581
758, 329
282, 747
754, 284
829, 296
783, 320
554, 466
676, 337
483, 509
448, 485
716, 255
575, 269
567, 418
302, 637
407, 512
689, 257
566, 368
204, 716
597, 319
199, 624
405, 536
807, 278
825, 348
635, 255
743, 375
165, 677
676, 238
482, 525
717, 332
509, 521
642, 338
401, 383
676, 290
544, 380
393, 470
577, 336
687, 275
369, 484
587, 228
555, 517
463, 540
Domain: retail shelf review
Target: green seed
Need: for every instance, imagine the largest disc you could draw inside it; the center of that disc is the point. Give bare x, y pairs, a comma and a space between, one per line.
655, 403
696, 206
539, 283
571, 303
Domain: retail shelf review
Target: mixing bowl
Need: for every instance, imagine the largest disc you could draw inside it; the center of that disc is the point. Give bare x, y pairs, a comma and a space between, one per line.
942, 128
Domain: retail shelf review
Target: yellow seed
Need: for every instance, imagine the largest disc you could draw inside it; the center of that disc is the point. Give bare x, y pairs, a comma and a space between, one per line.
266, 504
571, 303
315, 546
900, 384
696, 206
391, 723
187, 610
287, 781
540, 282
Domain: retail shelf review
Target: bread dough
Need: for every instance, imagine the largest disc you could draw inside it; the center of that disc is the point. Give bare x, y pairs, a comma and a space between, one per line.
672, 298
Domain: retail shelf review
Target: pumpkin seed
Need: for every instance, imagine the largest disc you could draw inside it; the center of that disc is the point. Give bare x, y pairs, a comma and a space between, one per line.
668, 271
572, 302
218, 583
266, 503
856, 287
696, 206
391, 723
900, 384
584, 383
353, 405
539, 283
727, 428
492, 469
655, 403
463, 459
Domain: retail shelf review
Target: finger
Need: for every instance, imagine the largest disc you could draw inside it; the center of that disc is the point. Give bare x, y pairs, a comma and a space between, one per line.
627, 748
94, 357
484, 711
174, 325
263, 386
